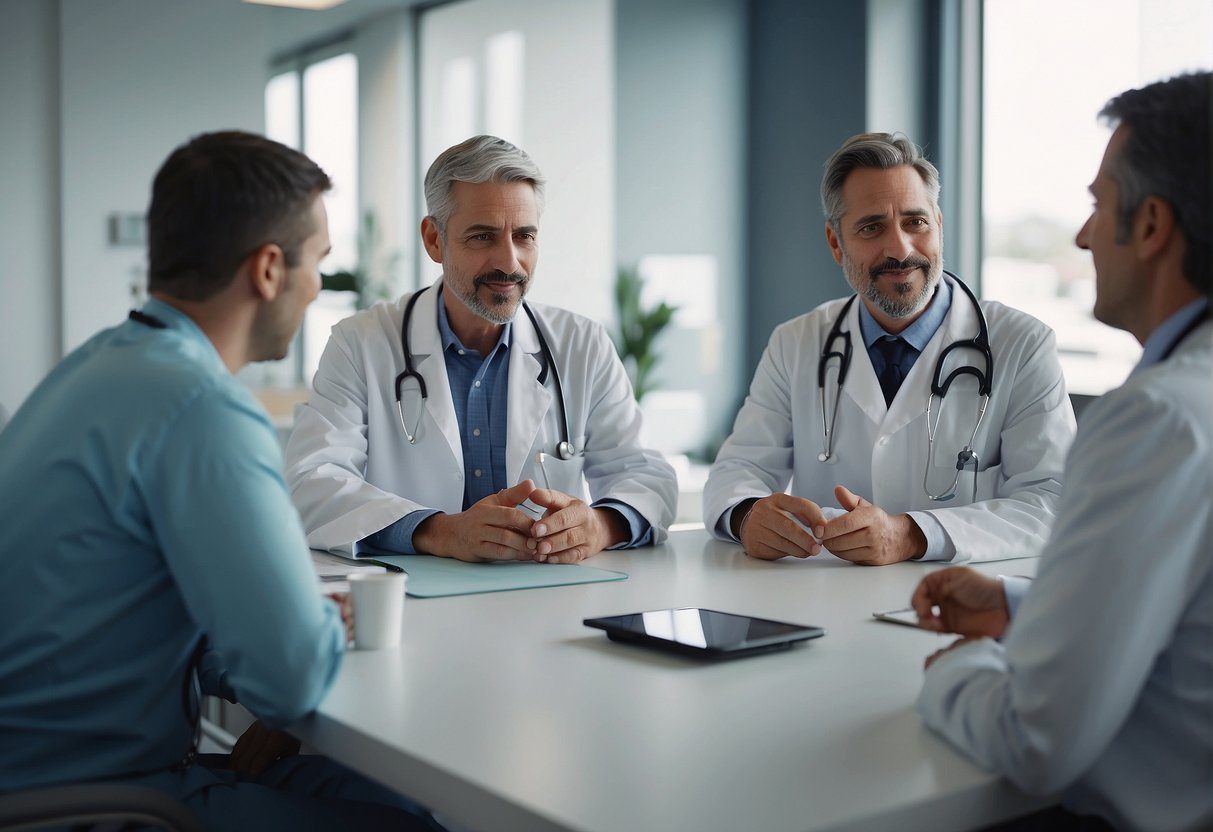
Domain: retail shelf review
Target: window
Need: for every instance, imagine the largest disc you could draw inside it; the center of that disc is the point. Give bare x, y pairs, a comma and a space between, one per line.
1048, 68
313, 106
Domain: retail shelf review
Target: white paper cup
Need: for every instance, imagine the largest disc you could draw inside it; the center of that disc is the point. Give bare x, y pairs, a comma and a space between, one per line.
378, 608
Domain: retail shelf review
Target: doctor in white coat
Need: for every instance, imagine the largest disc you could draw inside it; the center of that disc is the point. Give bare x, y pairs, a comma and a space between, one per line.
866, 484
444, 471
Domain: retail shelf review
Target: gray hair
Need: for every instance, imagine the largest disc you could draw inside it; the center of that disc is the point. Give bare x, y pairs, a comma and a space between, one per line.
476, 160
1168, 153
872, 150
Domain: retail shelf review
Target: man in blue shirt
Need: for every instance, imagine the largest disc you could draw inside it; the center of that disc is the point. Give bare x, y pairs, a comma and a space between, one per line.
1102, 687
148, 537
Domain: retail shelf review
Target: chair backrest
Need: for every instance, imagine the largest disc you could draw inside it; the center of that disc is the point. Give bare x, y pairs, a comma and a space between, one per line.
82, 803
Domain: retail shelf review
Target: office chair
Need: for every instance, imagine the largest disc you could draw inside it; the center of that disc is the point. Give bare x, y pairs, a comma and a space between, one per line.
94, 803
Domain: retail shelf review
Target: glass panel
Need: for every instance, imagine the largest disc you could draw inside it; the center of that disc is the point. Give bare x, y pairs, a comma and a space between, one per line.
330, 137
282, 109
503, 80
1043, 143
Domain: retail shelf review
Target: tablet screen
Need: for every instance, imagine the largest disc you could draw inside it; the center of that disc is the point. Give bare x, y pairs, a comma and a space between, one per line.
705, 629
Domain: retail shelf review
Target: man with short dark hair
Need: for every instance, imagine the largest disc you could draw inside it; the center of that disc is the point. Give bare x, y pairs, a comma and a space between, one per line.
1102, 687
148, 536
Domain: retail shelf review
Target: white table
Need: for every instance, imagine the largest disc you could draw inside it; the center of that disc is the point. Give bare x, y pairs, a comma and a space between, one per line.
504, 712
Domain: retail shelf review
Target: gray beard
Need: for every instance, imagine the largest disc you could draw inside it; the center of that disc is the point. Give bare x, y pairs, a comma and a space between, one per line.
904, 305
492, 314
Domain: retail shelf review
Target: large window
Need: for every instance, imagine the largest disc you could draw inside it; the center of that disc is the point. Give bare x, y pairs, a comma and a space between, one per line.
1048, 68
313, 106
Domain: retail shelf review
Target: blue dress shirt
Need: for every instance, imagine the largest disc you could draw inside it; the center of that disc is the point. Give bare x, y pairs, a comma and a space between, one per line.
145, 510
480, 393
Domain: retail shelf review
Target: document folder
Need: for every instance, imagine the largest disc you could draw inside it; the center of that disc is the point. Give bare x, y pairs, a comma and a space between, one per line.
435, 577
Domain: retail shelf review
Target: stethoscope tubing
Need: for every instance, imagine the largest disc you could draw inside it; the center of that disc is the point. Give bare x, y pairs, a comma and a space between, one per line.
939, 389
564, 450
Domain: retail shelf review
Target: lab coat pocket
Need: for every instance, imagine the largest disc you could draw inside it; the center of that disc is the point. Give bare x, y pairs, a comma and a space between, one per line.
563, 474
989, 482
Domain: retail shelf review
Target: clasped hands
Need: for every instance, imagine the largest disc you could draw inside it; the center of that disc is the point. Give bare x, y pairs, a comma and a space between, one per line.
495, 528
866, 534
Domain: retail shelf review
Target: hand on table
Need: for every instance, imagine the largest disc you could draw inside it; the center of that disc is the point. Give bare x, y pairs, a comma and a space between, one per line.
570, 530
969, 604
768, 532
931, 659
345, 604
870, 536
258, 748
492, 529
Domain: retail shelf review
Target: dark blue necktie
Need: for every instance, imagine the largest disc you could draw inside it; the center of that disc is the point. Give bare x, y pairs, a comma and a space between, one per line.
895, 351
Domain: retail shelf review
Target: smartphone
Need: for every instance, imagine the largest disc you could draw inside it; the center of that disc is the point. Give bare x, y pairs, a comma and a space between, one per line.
702, 633
907, 617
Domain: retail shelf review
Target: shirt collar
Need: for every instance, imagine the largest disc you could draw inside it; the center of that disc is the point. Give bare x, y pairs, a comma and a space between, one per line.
179, 322
451, 340
917, 334
1162, 338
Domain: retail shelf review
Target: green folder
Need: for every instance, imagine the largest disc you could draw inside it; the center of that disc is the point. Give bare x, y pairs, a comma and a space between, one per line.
434, 577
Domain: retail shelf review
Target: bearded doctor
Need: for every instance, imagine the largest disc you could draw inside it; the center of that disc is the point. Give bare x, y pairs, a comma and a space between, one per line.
909, 421
435, 418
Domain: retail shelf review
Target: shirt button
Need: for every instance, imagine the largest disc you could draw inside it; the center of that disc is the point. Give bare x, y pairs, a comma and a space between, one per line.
476, 472
463, 352
476, 383
476, 432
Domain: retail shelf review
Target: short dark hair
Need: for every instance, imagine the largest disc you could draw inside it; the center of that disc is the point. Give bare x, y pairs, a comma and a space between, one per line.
1168, 153
217, 199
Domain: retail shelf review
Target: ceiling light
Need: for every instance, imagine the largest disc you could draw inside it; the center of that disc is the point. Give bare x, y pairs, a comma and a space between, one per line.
312, 5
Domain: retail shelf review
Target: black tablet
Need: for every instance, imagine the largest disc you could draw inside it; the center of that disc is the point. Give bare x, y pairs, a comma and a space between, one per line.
707, 634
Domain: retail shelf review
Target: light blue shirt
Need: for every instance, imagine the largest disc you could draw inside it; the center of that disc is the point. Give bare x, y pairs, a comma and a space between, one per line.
1102, 689
917, 334
144, 508
480, 394
1163, 337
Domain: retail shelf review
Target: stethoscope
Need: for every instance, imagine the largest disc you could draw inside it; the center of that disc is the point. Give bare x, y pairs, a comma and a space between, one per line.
939, 388
564, 450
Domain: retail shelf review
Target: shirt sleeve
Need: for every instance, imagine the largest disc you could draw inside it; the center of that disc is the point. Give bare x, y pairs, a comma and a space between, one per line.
220, 511
398, 537
1044, 706
640, 532
939, 544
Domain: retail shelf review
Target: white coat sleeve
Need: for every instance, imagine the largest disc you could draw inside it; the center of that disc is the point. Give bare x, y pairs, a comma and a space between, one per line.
616, 466
1124, 562
326, 457
1034, 440
756, 459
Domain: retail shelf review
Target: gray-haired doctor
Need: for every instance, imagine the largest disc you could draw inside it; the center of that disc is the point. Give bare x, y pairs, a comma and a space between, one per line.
908, 421
434, 418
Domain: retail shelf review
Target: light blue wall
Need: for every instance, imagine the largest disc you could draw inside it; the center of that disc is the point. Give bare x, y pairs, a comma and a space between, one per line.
807, 89
680, 170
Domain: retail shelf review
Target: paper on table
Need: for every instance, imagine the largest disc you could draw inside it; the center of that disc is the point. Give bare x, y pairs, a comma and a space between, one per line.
331, 571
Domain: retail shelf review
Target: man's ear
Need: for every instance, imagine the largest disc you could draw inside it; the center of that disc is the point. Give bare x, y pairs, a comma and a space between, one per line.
267, 271
834, 243
431, 238
1153, 227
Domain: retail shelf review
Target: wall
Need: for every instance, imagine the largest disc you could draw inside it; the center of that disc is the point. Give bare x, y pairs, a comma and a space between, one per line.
680, 188
29, 196
807, 91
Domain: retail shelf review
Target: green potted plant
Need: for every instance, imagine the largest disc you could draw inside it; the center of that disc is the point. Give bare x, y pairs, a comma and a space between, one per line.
638, 329
363, 280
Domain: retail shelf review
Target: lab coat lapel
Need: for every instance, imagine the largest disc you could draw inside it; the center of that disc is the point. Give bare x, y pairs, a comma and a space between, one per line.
911, 400
528, 399
862, 385
427, 346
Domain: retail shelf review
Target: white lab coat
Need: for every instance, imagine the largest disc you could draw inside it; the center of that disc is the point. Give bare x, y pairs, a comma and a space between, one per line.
352, 471
1103, 685
880, 452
